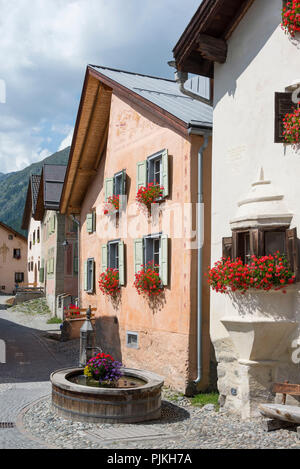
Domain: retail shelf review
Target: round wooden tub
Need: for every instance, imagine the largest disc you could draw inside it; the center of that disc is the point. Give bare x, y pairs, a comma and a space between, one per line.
106, 405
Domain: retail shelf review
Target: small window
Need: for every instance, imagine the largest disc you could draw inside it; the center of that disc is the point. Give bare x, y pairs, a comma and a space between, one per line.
30, 245
90, 275
119, 183
19, 277
152, 249
3, 287
113, 255
28, 266
283, 105
132, 340
17, 253
274, 241
38, 236
155, 169
10, 237
243, 247
33, 242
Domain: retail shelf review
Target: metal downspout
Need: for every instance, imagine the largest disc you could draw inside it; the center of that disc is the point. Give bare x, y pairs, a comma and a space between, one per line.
200, 250
78, 248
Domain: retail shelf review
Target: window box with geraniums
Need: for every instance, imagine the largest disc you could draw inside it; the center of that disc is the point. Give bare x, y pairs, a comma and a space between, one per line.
150, 194
112, 205
266, 273
104, 369
291, 17
291, 124
147, 281
109, 282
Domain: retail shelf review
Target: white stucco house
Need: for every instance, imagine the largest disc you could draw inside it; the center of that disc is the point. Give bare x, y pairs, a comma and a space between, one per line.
34, 252
255, 69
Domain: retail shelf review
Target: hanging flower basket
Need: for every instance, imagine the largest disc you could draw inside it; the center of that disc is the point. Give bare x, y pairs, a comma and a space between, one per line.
149, 195
291, 124
262, 273
147, 281
112, 205
103, 368
291, 17
109, 282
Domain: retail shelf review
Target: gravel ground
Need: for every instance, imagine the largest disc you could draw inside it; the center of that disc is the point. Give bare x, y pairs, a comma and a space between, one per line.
190, 428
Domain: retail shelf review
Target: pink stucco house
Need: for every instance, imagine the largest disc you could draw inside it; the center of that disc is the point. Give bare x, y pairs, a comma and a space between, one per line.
132, 130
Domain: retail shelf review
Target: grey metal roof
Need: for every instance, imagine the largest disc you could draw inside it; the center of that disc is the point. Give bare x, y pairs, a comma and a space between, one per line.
165, 94
54, 176
35, 184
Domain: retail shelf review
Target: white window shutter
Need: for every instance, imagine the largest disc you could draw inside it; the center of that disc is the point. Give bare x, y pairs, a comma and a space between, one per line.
164, 274
104, 258
85, 276
121, 263
165, 172
109, 188
141, 175
138, 255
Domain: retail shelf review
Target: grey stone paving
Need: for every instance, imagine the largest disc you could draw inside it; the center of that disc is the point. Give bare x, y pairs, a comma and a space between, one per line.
30, 359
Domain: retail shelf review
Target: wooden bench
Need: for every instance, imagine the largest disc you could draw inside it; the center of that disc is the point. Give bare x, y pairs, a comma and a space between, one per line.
286, 389
282, 415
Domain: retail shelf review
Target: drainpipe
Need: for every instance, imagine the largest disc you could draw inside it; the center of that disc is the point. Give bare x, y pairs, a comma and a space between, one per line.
78, 248
206, 135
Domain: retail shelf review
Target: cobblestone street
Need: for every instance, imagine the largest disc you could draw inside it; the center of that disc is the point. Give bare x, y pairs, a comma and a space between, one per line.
25, 402
30, 358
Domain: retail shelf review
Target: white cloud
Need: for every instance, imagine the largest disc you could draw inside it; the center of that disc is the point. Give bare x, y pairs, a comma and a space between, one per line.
66, 141
45, 46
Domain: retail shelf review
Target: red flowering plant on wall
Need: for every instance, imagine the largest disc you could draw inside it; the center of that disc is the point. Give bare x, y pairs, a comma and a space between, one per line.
73, 312
262, 273
112, 204
291, 124
291, 17
109, 282
147, 280
149, 194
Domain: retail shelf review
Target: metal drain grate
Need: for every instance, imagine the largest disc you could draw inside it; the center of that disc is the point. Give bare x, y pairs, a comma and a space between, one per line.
6, 425
107, 435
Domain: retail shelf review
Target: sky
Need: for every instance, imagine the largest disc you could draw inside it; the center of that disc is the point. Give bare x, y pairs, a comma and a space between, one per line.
45, 47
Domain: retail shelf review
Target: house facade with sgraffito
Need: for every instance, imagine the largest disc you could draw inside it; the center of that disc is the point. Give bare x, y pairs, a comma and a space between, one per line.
34, 229
133, 130
254, 63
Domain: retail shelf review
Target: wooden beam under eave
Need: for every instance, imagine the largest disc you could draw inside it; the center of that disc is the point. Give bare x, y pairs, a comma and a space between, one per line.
198, 65
212, 49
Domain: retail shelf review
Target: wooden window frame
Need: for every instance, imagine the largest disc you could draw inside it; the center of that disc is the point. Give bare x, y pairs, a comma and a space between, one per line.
257, 244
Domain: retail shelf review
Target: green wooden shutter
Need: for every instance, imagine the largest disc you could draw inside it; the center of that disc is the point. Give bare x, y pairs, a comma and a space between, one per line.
42, 272
94, 221
89, 223
123, 182
104, 258
164, 260
141, 175
165, 172
85, 278
121, 263
109, 188
138, 254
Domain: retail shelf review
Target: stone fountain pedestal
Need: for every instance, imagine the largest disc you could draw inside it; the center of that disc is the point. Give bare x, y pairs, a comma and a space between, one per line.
259, 344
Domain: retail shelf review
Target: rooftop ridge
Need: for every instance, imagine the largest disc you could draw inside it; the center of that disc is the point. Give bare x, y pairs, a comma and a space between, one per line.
131, 73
